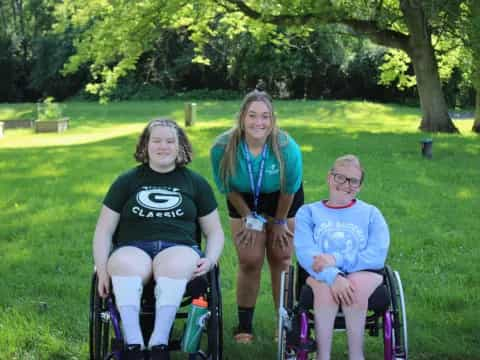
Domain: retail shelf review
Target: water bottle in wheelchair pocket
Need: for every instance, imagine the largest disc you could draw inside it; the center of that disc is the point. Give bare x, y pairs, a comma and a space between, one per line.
196, 322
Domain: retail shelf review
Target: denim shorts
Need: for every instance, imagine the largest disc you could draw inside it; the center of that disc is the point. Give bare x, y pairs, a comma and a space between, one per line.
152, 248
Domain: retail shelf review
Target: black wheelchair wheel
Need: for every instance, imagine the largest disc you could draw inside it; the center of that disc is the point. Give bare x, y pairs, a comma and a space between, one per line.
285, 311
215, 323
99, 327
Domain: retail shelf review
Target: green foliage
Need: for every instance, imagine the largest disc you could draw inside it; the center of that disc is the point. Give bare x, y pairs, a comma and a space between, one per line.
395, 70
114, 45
49, 110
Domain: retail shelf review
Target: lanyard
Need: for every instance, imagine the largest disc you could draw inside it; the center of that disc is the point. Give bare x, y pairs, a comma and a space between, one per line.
255, 189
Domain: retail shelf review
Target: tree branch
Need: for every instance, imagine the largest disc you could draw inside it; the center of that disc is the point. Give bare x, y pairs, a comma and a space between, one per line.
370, 29
379, 36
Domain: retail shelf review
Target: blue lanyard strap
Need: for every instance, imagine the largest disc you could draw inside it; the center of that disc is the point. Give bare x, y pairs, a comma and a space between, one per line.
255, 189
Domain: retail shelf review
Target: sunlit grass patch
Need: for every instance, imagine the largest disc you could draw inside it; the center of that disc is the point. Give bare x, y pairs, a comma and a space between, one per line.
52, 187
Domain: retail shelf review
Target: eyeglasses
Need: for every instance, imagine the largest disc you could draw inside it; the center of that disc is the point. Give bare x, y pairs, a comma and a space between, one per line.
342, 179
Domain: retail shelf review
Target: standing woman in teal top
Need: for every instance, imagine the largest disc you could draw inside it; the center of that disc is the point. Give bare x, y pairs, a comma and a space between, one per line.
259, 168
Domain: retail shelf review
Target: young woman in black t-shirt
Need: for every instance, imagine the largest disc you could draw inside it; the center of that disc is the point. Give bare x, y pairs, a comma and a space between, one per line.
147, 228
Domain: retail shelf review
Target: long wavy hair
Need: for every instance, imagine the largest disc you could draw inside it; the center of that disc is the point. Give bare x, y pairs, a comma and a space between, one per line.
185, 151
237, 133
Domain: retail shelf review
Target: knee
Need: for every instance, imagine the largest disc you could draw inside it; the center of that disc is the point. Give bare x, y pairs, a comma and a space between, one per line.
279, 257
250, 264
322, 294
175, 263
126, 262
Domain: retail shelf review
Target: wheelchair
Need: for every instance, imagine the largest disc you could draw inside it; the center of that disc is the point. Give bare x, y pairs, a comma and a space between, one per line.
106, 340
296, 330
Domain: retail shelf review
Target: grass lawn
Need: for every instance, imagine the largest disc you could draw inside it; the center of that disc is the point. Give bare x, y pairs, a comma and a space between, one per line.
52, 186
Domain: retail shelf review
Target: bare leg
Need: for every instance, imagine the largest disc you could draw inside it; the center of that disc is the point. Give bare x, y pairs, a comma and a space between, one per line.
325, 311
279, 259
176, 262
129, 268
130, 261
250, 260
364, 283
172, 267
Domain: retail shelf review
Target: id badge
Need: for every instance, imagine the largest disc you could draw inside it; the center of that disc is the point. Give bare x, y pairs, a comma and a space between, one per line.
255, 222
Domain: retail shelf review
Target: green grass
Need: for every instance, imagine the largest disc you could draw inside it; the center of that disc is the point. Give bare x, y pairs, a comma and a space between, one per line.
52, 186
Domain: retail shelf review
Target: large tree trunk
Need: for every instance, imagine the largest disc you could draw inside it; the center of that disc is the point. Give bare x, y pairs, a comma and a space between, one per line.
476, 123
434, 108
417, 44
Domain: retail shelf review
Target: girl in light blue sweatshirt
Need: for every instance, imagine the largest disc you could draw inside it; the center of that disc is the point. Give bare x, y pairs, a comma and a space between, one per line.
340, 242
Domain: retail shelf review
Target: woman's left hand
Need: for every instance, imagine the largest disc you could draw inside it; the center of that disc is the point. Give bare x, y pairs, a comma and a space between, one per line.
203, 266
281, 236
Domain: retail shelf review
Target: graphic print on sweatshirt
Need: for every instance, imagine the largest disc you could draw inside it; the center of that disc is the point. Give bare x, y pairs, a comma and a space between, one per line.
341, 237
157, 201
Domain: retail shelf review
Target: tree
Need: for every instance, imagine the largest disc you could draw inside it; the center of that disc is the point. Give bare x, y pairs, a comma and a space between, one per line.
115, 34
407, 25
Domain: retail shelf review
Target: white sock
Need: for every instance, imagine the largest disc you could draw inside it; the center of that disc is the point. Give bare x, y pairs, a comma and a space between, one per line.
168, 296
128, 293
164, 318
132, 331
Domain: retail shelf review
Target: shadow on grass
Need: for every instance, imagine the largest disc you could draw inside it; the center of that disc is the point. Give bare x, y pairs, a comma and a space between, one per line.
51, 198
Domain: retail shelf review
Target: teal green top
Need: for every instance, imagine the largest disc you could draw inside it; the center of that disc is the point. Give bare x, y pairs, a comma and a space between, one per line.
290, 152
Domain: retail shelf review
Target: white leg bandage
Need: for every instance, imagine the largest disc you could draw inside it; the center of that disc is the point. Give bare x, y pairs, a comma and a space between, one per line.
168, 296
127, 290
169, 291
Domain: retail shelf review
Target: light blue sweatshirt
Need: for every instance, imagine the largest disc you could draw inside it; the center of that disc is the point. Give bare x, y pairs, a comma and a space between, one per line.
357, 236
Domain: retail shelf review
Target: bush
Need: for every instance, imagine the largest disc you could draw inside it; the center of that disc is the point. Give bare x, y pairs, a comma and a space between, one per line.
206, 94
49, 110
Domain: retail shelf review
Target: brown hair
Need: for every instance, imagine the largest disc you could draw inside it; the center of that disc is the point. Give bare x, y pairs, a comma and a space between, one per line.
185, 151
228, 162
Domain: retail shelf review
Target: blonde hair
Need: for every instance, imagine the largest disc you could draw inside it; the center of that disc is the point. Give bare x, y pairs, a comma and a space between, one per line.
235, 135
185, 150
348, 159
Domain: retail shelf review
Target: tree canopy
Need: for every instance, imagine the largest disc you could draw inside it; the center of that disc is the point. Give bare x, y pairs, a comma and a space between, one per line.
425, 43
114, 34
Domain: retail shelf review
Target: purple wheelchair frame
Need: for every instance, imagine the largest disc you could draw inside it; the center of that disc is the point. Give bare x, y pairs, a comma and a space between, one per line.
302, 350
395, 310
114, 318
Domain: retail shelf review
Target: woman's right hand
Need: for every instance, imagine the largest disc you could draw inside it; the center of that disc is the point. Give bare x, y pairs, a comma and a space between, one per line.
103, 282
246, 237
322, 261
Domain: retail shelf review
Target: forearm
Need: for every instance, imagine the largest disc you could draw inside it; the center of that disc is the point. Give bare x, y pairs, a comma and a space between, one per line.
239, 203
284, 203
102, 239
306, 258
328, 275
212, 229
214, 247
101, 250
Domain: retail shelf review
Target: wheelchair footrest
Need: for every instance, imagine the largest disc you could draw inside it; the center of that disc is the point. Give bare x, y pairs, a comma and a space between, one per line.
308, 347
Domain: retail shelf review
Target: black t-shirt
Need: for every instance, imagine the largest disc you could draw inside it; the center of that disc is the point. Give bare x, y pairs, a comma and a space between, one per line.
159, 206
